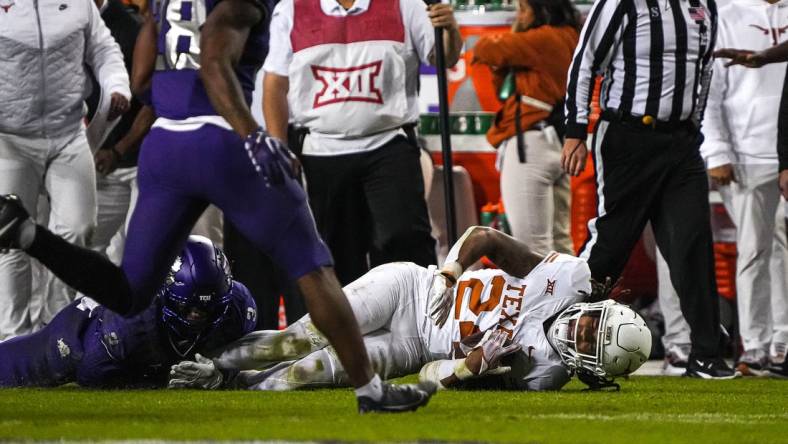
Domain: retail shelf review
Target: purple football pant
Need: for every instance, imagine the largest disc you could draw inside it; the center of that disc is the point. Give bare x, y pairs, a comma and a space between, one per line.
49, 357
180, 173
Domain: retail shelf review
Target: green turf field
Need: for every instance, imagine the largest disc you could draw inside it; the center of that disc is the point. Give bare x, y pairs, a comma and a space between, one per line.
647, 410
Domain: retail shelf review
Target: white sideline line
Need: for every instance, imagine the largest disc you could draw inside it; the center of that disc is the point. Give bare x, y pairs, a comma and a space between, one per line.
688, 418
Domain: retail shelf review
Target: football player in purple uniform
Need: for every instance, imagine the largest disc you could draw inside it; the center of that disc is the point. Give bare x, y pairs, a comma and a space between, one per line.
198, 59
199, 308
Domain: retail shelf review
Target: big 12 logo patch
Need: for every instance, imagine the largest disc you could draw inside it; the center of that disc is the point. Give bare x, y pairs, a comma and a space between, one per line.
354, 84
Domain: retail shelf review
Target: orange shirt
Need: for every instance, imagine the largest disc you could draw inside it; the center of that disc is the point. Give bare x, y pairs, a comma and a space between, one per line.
542, 57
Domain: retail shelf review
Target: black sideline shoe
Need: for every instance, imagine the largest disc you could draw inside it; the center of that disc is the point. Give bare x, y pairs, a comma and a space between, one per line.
398, 398
12, 215
710, 368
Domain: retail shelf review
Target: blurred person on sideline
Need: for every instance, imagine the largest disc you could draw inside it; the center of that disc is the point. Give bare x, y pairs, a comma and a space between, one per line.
49, 48
527, 129
353, 86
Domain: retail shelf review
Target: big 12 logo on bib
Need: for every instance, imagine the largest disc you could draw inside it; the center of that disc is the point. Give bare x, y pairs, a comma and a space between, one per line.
354, 84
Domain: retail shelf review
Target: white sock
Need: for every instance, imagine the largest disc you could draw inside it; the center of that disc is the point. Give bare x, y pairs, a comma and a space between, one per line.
373, 389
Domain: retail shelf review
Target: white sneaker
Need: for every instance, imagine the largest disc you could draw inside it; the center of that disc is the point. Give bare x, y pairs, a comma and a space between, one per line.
753, 363
777, 353
676, 358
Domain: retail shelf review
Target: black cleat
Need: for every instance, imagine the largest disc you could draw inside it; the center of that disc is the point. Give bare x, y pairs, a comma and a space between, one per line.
710, 368
398, 398
12, 216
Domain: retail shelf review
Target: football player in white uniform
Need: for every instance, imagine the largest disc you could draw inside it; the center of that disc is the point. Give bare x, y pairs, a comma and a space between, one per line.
524, 326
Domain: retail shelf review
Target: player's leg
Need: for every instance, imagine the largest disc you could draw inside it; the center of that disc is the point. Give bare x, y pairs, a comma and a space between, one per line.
22, 164
384, 298
158, 228
562, 200
70, 182
526, 190
392, 356
113, 197
47, 358
683, 235
676, 339
752, 203
779, 293
628, 181
340, 211
394, 189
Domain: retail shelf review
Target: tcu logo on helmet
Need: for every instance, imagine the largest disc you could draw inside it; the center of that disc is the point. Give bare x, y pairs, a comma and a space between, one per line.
355, 84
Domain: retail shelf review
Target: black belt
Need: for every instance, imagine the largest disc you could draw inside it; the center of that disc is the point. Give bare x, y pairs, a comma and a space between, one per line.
645, 122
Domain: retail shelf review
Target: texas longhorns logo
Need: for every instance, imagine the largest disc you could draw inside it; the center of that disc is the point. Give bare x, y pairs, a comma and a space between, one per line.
775, 32
6, 4
355, 84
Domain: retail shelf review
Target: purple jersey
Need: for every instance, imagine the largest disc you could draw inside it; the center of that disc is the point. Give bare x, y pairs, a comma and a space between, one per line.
177, 91
95, 347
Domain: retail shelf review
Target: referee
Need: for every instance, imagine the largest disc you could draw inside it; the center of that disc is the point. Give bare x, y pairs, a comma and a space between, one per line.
654, 57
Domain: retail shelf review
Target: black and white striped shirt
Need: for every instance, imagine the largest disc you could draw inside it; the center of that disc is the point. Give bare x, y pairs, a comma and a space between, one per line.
652, 55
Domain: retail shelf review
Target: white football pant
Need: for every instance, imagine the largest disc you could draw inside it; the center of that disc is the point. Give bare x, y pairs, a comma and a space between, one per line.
63, 168
536, 193
389, 304
761, 274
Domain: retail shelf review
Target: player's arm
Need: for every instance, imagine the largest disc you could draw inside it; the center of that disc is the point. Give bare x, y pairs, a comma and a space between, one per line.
107, 160
753, 59
275, 107
144, 60
105, 58
222, 42
509, 254
483, 360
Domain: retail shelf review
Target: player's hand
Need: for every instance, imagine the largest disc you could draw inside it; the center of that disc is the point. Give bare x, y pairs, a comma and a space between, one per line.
117, 106
744, 57
722, 175
270, 157
441, 15
485, 359
106, 161
573, 156
201, 374
783, 180
440, 298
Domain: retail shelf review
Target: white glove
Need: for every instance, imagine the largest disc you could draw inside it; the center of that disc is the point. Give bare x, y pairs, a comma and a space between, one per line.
492, 348
202, 374
441, 296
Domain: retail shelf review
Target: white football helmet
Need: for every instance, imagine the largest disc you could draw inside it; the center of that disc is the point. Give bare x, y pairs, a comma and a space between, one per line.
619, 345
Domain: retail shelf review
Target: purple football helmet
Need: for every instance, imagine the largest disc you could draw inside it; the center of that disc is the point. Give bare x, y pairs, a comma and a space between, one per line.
197, 291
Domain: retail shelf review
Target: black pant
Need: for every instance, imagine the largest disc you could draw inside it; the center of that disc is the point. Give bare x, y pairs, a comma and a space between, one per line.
657, 176
369, 207
265, 280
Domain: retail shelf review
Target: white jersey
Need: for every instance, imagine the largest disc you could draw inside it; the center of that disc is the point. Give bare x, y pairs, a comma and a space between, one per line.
488, 299
389, 303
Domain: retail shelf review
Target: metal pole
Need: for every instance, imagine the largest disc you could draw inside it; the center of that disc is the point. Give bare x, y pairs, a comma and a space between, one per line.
443, 102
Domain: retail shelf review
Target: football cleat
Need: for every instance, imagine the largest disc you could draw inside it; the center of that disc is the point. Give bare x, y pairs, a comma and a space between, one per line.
676, 360
753, 363
710, 368
777, 353
12, 216
398, 398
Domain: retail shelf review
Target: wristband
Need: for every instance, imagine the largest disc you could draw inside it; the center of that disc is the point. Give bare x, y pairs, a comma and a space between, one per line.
452, 271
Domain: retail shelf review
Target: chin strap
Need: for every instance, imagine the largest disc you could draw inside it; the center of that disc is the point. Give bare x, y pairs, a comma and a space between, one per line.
595, 382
